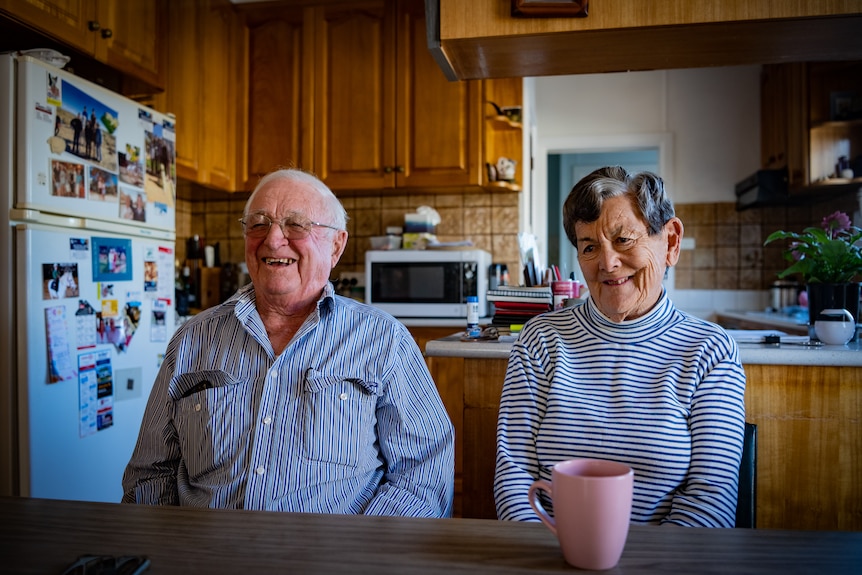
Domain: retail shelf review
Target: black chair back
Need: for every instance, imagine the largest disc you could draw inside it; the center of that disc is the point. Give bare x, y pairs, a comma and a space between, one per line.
745, 504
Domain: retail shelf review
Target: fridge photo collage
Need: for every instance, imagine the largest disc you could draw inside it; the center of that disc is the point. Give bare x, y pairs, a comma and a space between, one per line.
88, 163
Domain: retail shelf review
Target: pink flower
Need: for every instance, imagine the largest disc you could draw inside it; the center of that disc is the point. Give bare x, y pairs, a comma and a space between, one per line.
836, 223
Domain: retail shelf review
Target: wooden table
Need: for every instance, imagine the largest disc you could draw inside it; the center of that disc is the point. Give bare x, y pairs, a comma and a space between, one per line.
42, 536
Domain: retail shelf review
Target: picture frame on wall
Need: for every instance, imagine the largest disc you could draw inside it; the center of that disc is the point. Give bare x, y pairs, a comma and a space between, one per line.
844, 106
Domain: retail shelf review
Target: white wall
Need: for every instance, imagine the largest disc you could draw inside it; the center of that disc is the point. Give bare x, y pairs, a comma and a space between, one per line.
712, 114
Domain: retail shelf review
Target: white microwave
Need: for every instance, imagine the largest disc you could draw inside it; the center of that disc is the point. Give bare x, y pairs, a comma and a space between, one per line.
427, 283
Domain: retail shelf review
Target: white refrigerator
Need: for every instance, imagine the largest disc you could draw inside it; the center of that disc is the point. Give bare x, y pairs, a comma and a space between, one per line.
88, 190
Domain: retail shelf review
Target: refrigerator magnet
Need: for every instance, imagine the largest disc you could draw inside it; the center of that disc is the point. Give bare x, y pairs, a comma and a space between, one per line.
112, 259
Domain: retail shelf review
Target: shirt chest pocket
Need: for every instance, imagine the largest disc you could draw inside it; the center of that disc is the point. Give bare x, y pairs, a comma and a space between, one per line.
338, 419
210, 409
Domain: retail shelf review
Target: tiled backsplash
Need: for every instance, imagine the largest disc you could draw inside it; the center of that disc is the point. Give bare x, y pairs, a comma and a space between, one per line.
728, 255
490, 220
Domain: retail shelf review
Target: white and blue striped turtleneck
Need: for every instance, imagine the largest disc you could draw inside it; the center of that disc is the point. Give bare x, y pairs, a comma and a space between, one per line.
663, 393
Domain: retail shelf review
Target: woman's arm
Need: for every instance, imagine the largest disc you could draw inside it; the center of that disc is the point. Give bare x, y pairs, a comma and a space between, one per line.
707, 496
522, 407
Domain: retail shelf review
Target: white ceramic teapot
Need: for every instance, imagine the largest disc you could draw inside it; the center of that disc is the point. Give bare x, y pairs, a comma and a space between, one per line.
506, 169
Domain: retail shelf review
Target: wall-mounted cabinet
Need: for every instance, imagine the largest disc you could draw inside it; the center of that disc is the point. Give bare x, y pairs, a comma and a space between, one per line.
349, 91
384, 114
811, 116
278, 75
835, 122
124, 34
204, 89
480, 39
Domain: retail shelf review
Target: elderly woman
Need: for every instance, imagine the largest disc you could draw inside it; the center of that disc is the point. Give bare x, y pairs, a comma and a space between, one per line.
625, 377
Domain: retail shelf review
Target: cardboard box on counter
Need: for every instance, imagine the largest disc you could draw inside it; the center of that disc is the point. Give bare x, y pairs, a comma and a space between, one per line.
417, 241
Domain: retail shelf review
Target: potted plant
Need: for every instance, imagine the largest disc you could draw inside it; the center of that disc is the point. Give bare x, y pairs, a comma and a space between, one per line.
829, 260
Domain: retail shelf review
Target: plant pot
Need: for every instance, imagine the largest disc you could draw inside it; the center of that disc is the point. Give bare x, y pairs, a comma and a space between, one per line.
831, 296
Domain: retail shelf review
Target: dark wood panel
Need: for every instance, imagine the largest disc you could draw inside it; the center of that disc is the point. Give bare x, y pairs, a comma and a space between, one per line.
620, 50
43, 536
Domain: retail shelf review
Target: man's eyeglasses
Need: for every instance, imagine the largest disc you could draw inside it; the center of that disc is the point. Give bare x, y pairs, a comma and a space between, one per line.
258, 226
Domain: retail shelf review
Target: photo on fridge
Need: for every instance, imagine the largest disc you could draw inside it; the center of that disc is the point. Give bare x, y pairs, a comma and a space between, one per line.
59, 280
103, 185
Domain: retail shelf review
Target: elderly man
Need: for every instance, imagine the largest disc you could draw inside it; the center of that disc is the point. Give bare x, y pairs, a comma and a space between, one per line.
289, 397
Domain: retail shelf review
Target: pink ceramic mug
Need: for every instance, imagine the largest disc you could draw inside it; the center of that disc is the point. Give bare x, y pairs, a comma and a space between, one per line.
592, 509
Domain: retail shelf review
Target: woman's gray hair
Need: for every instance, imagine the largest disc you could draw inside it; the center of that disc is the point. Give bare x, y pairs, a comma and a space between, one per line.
333, 204
584, 203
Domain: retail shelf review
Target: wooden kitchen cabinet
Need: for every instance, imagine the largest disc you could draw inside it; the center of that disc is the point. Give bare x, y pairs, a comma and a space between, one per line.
204, 89
480, 38
385, 115
448, 375
124, 34
802, 128
278, 79
784, 117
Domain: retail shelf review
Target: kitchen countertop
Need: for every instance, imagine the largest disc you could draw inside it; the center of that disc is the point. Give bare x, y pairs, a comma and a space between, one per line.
750, 353
454, 322
776, 320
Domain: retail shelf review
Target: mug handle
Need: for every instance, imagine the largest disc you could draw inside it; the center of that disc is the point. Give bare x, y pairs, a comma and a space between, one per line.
533, 496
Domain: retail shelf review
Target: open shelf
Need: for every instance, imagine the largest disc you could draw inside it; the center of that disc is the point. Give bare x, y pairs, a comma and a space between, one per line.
503, 123
502, 186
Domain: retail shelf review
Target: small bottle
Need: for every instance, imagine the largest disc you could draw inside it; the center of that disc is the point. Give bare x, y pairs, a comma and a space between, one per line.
182, 307
473, 329
191, 293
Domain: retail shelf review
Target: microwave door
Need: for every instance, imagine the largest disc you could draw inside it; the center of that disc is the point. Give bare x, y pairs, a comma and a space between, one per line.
425, 282
418, 289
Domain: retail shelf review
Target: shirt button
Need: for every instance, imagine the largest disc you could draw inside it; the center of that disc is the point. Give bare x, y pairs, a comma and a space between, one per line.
267, 420
343, 396
197, 407
259, 470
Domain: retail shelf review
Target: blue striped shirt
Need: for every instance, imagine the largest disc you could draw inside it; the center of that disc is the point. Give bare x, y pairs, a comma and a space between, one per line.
663, 393
346, 420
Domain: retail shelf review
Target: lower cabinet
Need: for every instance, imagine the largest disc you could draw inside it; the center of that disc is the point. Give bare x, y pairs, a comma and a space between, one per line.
448, 375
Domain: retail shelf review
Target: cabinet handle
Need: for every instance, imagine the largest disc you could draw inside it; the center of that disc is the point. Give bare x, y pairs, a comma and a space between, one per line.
107, 33
93, 25
387, 169
399, 169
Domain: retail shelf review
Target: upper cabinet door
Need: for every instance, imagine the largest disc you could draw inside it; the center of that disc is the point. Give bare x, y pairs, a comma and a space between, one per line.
182, 95
222, 96
124, 34
439, 123
385, 116
70, 21
130, 36
276, 83
354, 95
205, 90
